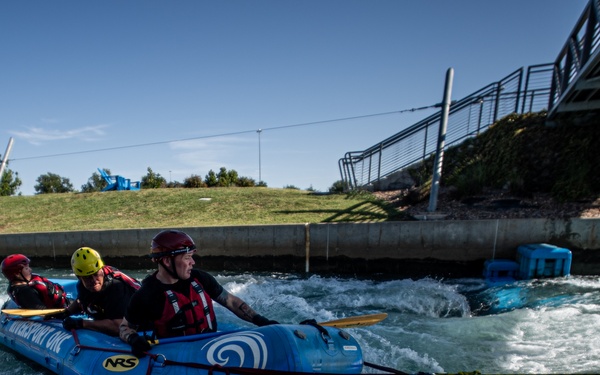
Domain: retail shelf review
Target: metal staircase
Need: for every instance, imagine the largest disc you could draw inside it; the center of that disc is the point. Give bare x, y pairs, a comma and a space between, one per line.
570, 85
524, 90
576, 72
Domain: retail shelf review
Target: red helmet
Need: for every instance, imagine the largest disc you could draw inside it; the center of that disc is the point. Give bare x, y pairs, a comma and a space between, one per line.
171, 242
13, 264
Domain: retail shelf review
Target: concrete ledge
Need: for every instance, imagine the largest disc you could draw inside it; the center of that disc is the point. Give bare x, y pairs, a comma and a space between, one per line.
387, 247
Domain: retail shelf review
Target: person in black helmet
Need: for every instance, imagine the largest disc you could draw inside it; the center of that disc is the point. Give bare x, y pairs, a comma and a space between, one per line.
177, 299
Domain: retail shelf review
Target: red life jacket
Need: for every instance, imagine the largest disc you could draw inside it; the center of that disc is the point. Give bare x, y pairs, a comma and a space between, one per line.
183, 316
113, 273
52, 294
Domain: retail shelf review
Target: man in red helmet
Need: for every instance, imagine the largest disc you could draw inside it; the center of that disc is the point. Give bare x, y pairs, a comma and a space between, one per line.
29, 290
177, 299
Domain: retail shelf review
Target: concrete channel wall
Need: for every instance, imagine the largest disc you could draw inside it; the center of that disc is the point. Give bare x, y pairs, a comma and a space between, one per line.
403, 248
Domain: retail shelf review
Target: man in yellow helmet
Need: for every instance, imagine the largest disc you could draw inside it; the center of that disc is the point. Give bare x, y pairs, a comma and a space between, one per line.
102, 293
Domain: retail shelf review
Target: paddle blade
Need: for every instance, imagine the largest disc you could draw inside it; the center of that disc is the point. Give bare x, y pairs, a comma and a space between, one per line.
31, 312
356, 321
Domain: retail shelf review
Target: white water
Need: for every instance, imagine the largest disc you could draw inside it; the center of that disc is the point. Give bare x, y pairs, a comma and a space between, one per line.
432, 325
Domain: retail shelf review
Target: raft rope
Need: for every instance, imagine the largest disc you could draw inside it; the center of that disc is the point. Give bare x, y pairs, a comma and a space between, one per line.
161, 360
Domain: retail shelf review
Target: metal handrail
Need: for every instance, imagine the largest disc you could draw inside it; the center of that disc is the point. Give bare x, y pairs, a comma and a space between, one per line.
544, 87
581, 45
468, 117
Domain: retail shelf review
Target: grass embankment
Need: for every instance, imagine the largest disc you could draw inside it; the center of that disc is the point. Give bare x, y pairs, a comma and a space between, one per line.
522, 155
177, 208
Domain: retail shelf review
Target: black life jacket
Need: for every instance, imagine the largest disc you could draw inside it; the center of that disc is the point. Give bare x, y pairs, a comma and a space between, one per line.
110, 274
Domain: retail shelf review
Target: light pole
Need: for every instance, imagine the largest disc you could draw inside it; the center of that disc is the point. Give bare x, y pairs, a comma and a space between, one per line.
169, 177
259, 167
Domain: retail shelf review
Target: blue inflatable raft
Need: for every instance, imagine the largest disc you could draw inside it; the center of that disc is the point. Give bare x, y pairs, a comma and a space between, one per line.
281, 347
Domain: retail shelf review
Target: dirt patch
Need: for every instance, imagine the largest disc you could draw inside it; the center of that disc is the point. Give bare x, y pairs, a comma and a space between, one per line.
494, 205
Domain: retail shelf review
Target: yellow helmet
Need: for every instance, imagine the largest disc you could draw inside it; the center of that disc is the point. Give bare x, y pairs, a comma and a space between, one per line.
86, 261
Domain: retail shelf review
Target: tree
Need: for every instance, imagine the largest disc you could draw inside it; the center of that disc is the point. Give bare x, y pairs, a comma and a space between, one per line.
233, 177
153, 180
223, 177
211, 179
95, 182
10, 184
52, 183
229, 178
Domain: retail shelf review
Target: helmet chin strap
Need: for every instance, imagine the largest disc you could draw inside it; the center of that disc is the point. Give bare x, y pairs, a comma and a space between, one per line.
23, 276
172, 271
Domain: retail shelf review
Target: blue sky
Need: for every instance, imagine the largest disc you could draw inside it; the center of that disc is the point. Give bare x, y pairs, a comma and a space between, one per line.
84, 80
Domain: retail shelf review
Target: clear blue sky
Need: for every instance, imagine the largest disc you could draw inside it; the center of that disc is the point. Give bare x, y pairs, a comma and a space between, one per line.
81, 76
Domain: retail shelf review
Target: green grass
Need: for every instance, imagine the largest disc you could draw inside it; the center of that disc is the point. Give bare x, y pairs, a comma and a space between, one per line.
164, 208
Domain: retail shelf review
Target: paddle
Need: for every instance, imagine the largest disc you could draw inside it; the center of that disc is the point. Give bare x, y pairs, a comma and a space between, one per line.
356, 321
351, 322
26, 313
169, 340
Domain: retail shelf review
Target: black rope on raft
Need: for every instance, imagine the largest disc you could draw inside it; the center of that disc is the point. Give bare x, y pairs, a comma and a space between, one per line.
212, 369
383, 368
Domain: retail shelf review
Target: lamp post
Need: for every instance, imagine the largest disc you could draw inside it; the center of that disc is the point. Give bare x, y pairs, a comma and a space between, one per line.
259, 166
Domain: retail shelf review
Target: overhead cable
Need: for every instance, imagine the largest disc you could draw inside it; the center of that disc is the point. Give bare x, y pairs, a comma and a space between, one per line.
228, 134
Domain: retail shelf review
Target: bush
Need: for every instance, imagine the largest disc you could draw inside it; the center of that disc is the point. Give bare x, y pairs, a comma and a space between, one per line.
194, 181
153, 180
246, 182
52, 183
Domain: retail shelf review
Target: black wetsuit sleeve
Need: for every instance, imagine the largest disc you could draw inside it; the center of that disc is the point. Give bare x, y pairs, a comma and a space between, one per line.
145, 306
29, 298
110, 303
116, 299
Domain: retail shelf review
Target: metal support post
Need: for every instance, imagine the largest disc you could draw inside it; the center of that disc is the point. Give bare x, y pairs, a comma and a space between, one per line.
5, 158
439, 154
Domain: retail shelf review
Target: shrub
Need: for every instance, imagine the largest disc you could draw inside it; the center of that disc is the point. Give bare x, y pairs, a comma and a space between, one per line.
194, 181
338, 187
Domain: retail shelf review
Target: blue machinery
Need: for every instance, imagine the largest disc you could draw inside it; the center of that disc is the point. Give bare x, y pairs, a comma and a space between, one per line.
117, 182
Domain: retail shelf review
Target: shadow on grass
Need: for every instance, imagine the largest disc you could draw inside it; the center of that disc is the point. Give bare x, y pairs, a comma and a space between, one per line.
366, 211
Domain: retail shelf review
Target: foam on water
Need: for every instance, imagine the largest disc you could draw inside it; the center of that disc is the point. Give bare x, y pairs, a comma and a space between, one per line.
432, 325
